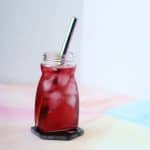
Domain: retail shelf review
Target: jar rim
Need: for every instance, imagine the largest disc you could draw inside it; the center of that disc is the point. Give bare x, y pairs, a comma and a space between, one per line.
54, 58
52, 55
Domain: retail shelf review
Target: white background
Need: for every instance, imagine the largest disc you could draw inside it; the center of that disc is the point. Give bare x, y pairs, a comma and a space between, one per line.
116, 45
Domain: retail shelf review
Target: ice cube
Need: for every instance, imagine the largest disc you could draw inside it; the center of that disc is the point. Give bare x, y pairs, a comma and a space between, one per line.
55, 95
47, 83
63, 79
72, 101
71, 88
54, 99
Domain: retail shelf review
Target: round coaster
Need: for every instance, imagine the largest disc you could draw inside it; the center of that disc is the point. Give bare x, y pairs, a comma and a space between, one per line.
61, 135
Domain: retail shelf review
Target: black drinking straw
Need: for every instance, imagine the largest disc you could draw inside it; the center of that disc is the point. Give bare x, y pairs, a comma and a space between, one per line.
68, 37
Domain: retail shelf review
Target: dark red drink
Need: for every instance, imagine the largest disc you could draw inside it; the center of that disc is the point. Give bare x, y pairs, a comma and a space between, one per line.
57, 100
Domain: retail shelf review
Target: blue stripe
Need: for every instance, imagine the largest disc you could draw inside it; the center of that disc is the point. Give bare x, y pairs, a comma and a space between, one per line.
137, 111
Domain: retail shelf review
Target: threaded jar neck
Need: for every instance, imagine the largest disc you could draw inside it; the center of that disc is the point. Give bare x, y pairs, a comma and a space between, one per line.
53, 59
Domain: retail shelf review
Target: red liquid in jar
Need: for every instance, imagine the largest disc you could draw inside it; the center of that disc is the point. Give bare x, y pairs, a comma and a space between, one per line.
57, 100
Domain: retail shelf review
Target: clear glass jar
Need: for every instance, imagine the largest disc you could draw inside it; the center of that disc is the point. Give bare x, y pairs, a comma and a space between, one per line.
57, 98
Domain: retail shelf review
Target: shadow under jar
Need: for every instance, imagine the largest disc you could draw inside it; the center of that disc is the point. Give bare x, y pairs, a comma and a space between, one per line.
57, 97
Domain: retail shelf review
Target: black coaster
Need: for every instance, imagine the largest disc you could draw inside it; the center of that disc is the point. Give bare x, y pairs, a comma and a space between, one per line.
61, 135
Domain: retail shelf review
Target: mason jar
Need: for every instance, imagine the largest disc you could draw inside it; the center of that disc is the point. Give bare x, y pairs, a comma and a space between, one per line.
57, 97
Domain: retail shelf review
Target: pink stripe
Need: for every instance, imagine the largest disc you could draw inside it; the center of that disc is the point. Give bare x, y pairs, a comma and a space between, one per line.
88, 108
11, 112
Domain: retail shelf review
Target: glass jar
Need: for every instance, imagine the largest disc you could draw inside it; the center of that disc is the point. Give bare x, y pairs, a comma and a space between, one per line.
57, 98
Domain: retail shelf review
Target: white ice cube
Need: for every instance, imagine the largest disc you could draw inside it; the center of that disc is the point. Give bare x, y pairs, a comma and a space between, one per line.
55, 99
55, 95
71, 89
72, 101
47, 84
63, 79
